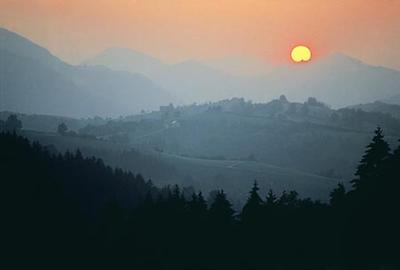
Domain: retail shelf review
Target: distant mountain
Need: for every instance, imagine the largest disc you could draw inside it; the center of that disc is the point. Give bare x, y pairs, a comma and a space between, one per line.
392, 100
137, 62
240, 65
123, 59
381, 107
190, 81
193, 81
34, 81
17, 45
336, 79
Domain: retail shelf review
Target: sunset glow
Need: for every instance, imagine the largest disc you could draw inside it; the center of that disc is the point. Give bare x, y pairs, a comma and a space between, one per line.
177, 30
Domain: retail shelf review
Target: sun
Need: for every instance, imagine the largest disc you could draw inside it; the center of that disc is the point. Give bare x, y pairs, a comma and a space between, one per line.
300, 54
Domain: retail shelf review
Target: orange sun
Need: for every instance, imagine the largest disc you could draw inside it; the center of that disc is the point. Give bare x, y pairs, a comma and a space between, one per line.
300, 54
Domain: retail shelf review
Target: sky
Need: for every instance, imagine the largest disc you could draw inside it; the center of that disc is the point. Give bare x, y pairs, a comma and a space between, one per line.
175, 30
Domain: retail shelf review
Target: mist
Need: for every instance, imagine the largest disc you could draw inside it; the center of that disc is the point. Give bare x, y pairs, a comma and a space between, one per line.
194, 148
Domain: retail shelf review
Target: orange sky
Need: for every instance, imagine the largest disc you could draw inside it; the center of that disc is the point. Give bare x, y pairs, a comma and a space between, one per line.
180, 29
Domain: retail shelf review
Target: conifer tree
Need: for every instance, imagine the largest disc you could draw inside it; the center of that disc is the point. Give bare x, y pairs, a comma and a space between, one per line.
252, 208
368, 204
337, 196
394, 165
370, 167
198, 207
271, 198
289, 199
221, 211
201, 201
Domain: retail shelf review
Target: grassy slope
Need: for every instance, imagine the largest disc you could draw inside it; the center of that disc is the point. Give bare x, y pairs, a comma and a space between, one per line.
236, 177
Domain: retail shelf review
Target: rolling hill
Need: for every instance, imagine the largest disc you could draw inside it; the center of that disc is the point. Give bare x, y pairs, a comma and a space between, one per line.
309, 136
234, 176
228, 144
381, 107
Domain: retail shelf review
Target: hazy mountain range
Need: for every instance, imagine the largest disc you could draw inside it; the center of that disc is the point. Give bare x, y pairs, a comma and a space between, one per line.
34, 81
121, 81
337, 79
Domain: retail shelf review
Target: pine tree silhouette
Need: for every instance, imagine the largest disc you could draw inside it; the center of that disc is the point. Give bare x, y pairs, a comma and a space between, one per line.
288, 199
367, 205
198, 206
67, 204
221, 212
376, 154
393, 172
338, 195
252, 209
271, 198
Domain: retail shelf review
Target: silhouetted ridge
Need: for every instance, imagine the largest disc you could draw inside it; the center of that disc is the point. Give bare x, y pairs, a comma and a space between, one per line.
88, 182
133, 224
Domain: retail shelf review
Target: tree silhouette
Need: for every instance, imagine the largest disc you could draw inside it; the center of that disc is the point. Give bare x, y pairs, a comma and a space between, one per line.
198, 206
369, 212
271, 198
338, 195
75, 209
288, 199
252, 208
376, 154
221, 212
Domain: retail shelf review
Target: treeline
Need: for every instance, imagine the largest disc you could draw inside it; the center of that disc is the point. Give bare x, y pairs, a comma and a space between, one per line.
12, 123
70, 211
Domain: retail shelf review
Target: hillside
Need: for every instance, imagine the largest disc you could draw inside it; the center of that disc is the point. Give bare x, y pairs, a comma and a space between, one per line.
80, 211
66, 177
380, 107
306, 146
337, 79
49, 123
204, 174
30, 75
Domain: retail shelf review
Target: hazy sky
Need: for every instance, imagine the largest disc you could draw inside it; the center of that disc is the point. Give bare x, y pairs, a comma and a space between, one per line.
180, 29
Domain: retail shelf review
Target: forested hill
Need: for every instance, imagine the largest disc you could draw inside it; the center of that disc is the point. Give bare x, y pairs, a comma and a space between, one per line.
309, 136
69, 178
380, 107
67, 211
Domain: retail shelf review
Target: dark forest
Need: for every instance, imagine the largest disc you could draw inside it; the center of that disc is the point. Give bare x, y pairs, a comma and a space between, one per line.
67, 211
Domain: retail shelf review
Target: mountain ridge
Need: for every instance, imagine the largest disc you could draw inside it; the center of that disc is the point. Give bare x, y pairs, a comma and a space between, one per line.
337, 79
30, 74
